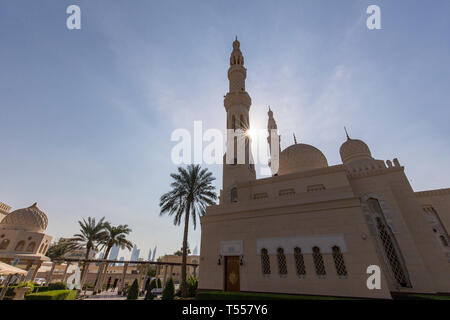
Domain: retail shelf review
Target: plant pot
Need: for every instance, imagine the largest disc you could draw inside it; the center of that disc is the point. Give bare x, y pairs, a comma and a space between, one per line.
20, 293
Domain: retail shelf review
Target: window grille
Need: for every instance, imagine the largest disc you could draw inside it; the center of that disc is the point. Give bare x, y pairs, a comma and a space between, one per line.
339, 262
318, 262
265, 262
299, 262
391, 254
282, 267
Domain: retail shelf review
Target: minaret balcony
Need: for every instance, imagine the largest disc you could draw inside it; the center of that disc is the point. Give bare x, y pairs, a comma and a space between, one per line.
237, 98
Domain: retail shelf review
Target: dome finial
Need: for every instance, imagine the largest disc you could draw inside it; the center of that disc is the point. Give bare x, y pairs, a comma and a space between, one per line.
34, 205
346, 133
295, 139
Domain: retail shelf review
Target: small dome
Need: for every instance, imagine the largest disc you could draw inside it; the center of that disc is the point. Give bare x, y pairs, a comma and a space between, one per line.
354, 149
301, 157
29, 219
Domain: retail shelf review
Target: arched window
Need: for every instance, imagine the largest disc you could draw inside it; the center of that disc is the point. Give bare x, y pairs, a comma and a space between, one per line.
437, 226
265, 261
318, 262
389, 244
391, 254
339, 262
31, 246
20, 246
299, 262
282, 267
4, 245
234, 195
233, 122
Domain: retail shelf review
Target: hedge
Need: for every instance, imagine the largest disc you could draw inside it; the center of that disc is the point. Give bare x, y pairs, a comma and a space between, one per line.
53, 295
221, 295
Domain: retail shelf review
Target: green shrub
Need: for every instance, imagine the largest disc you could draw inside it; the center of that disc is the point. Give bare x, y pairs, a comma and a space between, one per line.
53, 295
153, 284
57, 286
149, 295
133, 293
192, 285
28, 284
40, 289
169, 290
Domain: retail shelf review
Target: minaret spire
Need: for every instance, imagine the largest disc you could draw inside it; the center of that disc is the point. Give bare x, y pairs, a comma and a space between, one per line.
346, 133
274, 143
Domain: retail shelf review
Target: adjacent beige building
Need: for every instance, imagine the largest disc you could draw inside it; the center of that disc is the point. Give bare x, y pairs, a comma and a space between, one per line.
165, 272
315, 228
23, 239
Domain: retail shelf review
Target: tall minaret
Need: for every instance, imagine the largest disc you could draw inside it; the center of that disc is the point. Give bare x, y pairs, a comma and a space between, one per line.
237, 104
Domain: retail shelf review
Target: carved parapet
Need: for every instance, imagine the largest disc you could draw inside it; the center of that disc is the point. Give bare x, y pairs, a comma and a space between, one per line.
4, 208
237, 68
237, 98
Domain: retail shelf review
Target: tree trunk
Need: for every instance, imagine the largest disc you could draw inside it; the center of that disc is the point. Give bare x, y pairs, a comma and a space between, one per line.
185, 244
108, 249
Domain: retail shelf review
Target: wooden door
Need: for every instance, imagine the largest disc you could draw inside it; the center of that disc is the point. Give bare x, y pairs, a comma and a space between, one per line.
232, 278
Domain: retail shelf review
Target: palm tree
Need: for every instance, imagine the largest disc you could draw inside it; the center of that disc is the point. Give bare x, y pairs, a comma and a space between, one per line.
59, 249
191, 192
116, 236
90, 237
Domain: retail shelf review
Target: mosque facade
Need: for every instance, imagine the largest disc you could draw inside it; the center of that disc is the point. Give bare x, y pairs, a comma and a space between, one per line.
318, 229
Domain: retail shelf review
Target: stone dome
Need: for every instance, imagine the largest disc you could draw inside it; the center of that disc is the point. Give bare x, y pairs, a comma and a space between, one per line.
301, 157
29, 219
354, 149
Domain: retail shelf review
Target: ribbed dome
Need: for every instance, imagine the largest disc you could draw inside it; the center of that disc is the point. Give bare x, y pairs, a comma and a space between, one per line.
29, 219
301, 157
354, 149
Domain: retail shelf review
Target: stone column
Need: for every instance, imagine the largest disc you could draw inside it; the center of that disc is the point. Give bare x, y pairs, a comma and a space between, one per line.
50, 274
5, 286
85, 274
171, 270
98, 287
165, 277
64, 277
143, 280
157, 273
104, 276
125, 267
36, 270
28, 267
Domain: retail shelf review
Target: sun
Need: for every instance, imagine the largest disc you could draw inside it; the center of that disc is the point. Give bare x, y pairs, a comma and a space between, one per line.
251, 133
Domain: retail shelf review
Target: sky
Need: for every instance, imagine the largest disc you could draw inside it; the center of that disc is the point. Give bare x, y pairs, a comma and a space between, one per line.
86, 116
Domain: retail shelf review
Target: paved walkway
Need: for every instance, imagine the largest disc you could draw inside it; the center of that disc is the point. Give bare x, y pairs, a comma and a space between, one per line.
107, 295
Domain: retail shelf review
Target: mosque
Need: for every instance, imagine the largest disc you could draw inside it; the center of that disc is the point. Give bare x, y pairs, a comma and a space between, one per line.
314, 228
